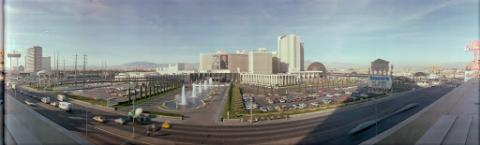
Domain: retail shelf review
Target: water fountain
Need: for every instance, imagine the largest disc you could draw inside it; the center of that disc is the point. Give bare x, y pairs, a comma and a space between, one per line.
191, 99
183, 99
194, 92
199, 86
205, 87
210, 81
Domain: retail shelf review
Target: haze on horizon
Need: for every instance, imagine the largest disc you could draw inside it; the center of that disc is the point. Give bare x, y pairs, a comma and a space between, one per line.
406, 32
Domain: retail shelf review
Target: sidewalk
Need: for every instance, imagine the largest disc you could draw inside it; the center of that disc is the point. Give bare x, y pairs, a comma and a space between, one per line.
459, 103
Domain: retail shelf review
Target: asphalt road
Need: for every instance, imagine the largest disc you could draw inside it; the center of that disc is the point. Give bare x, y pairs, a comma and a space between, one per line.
332, 129
75, 120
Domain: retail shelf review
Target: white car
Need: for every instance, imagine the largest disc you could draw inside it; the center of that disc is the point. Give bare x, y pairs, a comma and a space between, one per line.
327, 101
301, 105
28, 102
54, 103
100, 119
121, 121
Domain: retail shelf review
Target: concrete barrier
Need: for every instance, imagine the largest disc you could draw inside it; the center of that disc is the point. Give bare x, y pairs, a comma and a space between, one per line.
161, 118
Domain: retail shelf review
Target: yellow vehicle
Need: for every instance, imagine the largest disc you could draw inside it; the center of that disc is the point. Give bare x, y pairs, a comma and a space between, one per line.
166, 125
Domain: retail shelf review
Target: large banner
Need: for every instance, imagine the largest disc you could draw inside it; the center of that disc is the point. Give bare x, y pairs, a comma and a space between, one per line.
382, 82
223, 61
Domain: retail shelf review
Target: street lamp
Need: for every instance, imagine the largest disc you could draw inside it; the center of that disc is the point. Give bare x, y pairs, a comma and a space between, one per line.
133, 106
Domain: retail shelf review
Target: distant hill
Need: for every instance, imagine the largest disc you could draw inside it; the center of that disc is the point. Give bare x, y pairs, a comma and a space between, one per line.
139, 65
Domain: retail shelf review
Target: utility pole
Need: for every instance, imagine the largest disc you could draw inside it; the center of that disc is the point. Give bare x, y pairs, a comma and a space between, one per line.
75, 70
64, 68
58, 62
84, 68
251, 109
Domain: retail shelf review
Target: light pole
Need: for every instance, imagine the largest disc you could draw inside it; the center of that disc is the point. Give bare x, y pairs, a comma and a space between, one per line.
86, 123
251, 110
133, 113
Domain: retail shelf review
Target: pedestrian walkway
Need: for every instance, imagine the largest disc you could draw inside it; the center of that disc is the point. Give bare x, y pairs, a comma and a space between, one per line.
453, 119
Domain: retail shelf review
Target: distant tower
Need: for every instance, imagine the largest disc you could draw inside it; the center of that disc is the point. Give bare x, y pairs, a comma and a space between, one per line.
14, 58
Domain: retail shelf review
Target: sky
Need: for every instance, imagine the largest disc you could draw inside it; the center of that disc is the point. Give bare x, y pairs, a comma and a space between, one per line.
404, 32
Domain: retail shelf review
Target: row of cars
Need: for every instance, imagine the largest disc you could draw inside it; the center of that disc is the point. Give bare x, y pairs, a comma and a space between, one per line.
61, 103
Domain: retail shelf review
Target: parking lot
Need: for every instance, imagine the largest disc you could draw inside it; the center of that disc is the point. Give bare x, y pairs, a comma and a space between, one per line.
293, 101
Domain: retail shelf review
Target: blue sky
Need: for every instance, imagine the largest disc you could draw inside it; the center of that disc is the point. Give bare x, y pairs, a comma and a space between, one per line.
405, 32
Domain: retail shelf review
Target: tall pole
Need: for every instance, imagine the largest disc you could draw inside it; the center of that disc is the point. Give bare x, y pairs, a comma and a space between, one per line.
133, 113
58, 62
86, 123
251, 110
75, 71
84, 68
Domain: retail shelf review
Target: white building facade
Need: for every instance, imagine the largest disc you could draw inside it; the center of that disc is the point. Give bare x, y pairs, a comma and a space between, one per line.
46, 64
260, 61
290, 52
177, 68
33, 61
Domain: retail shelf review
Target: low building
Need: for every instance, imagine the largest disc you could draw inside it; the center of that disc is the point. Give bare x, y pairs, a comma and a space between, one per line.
178, 68
138, 75
274, 80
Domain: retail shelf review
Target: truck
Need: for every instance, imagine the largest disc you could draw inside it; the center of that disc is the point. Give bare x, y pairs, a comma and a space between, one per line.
45, 100
65, 106
137, 115
61, 97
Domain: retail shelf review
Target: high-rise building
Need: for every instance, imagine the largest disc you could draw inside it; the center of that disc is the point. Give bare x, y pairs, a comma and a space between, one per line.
33, 61
46, 63
260, 61
290, 54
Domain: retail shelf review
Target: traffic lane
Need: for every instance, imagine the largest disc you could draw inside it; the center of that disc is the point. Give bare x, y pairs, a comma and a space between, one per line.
74, 121
385, 104
342, 137
332, 123
252, 136
20, 117
201, 135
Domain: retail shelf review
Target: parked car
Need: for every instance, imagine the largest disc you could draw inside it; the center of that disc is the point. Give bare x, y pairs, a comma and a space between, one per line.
301, 106
326, 100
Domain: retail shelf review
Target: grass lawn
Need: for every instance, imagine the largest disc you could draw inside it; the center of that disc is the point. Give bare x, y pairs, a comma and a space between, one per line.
88, 100
144, 99
234, 104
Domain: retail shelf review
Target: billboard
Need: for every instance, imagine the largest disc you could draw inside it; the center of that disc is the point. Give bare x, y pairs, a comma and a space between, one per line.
223, 61
220, 62
381, 82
